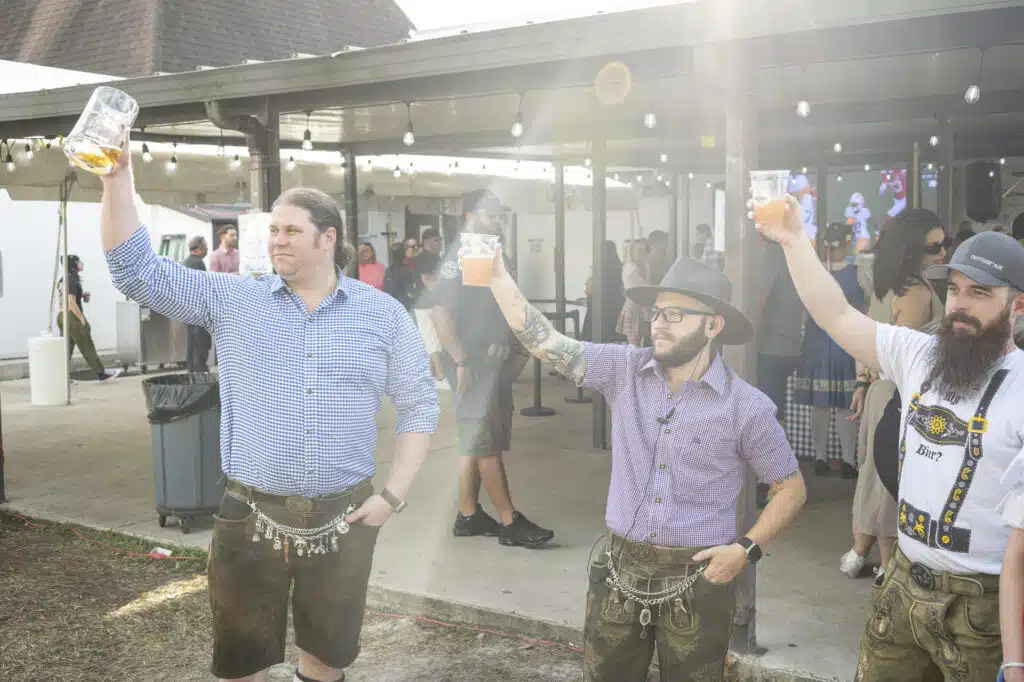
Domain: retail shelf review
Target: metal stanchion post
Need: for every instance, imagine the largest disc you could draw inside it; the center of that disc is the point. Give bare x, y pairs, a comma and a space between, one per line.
537, 409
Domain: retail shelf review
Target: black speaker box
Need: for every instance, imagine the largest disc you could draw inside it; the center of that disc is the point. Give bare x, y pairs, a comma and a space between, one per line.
984, 191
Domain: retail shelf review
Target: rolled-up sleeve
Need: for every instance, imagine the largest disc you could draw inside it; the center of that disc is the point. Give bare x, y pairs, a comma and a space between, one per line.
763, 442
410, 386
162, 285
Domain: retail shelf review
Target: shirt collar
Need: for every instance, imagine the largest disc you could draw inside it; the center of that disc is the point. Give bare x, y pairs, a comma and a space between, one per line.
716, 376
343, 287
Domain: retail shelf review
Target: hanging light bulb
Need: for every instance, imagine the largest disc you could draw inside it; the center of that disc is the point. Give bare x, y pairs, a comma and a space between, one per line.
291, 163
934, 140
639, 178
409, 139
29, 154
707, 184
664, 158
838, 147
147, 157
839, 178
615, 177
307, 137
689, 175
972, 94
804, 170
803, 108
1002, 162
10, 163
172, 164
931, 166
867, 167
397, 173
991, 174
517, 127
650, 120
235, 162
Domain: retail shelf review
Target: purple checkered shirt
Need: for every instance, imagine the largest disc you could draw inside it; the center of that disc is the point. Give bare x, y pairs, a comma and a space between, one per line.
680, 480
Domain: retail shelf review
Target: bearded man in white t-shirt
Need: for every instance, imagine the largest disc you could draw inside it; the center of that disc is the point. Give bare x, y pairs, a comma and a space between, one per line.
935, 611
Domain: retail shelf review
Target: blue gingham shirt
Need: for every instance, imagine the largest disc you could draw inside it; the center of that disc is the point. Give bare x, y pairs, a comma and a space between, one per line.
299, 390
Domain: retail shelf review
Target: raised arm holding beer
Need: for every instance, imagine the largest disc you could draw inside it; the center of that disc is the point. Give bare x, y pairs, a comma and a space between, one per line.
962, 425
685, 427
306, 356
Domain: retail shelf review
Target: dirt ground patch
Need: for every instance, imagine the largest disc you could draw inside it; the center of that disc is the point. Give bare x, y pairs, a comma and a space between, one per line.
73, 608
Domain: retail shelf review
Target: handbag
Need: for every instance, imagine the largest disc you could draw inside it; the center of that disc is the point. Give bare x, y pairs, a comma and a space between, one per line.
887, 445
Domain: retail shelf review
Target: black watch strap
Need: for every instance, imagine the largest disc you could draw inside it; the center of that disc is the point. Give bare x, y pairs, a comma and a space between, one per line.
750, 547
396, 504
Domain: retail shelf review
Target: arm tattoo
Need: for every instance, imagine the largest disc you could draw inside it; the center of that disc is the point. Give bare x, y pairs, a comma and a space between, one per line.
539, 336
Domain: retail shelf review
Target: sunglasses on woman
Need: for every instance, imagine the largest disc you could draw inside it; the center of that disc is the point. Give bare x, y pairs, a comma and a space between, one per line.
935, 248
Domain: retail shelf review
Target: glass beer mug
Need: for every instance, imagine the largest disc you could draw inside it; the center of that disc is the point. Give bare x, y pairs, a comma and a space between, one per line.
95, 142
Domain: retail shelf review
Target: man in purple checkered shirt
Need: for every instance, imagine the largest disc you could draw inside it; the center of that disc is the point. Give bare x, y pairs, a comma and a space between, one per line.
684, 429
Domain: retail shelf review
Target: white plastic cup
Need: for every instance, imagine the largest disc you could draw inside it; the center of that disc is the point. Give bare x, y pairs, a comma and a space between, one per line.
477, 255
768, 189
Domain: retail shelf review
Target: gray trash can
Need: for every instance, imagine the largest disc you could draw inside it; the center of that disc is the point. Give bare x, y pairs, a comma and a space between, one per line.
184, 414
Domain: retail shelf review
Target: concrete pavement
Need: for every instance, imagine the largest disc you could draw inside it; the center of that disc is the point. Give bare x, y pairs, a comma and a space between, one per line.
91, 463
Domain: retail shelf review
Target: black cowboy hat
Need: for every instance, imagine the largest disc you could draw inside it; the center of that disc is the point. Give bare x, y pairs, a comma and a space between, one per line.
708, 285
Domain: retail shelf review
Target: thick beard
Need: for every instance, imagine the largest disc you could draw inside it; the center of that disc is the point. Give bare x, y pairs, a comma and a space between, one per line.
684, 350
961, 362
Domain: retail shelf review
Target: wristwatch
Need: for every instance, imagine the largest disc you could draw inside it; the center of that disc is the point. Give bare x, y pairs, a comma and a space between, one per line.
396, 504
750, 547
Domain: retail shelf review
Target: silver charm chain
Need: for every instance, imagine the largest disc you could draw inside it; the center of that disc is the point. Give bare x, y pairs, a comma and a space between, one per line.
649, 599
317, 540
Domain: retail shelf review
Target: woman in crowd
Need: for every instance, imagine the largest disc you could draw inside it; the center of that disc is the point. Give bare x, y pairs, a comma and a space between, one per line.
827, 379
612, 298
635, 273
79, 329
398, 278
370, 271
913, 241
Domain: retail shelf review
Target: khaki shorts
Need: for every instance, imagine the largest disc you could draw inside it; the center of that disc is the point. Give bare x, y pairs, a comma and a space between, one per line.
250, 584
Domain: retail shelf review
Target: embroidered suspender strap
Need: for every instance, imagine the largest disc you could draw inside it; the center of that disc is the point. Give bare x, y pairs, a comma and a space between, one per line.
945, 537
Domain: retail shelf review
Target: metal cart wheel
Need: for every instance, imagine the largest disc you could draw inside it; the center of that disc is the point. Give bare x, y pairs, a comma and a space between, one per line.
143, 368
124, 368
185, 525
161, 520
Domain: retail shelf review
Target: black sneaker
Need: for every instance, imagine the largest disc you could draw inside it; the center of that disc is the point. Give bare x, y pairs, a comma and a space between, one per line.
480, 523
523, 532
847, 471
821, 468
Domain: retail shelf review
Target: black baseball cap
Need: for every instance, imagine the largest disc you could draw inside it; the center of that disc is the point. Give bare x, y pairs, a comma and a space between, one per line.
992, 259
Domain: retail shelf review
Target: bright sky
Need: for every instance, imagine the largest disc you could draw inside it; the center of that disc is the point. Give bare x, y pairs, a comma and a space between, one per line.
432, 14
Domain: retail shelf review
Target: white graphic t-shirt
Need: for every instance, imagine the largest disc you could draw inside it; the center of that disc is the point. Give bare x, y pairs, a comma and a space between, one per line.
949, 495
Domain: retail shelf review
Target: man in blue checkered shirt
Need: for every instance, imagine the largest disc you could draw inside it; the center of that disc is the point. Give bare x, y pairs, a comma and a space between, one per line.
305, 357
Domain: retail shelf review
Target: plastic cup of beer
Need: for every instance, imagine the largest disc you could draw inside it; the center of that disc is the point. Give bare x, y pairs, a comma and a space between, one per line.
768, 195
94, 144
477, 254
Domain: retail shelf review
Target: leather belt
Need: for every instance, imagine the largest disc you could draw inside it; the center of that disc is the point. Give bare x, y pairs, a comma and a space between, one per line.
299, 503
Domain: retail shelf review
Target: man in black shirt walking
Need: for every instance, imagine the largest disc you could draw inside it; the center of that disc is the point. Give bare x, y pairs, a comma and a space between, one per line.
199, 342
482, 361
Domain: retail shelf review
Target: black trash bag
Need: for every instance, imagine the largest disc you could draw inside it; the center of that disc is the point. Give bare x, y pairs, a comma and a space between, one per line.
176, 396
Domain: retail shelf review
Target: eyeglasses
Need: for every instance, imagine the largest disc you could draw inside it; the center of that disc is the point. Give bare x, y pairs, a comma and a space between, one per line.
935, 248
673, 314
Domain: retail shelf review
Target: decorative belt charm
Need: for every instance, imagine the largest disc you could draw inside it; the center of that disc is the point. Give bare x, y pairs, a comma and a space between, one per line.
649, 599
305, 540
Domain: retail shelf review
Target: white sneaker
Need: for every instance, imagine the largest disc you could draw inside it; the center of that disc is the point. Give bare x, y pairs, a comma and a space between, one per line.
852, 564
111, 374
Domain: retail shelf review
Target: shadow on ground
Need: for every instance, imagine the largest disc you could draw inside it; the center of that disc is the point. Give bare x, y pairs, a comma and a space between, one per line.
74, 609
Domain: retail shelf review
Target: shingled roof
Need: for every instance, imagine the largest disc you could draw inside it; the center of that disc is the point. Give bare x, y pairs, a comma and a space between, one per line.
142, 37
